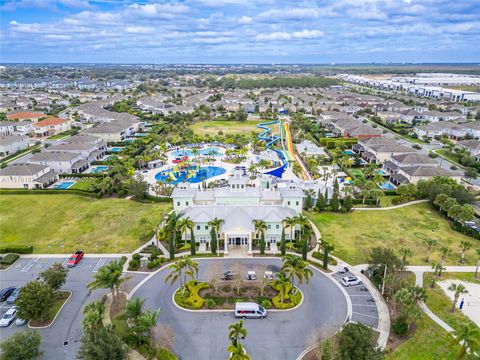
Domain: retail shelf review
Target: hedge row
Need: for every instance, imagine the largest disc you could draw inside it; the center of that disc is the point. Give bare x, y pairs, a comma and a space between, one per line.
465, 230
83, 175
158, 199
337, 141
17, 249
47, 192
9, 259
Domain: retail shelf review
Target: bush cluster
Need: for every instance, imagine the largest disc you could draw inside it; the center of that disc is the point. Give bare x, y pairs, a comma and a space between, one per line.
9, 259
17, 249
191, 299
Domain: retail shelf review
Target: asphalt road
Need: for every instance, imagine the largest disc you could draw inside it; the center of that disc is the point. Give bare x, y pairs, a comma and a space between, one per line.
62, 339
280, 336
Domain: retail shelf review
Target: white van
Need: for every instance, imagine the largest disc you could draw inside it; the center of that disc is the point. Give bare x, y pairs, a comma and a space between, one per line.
249, 310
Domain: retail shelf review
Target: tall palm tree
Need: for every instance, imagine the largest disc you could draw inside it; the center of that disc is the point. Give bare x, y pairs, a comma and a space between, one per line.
445, 251
303, 222
216, 224
281, 283
464, 246
179, 271
93, 315
236, 331
429, 244
468, 336
108, 277
290, 222
260, 227
134, 308
296, 267
457, 289
237, 352
183, 225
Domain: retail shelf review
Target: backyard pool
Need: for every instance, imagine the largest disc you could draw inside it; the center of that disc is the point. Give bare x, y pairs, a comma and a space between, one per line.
348, 152
116, 149
387, 186
190, 175
99, 169
204, 151
63, 185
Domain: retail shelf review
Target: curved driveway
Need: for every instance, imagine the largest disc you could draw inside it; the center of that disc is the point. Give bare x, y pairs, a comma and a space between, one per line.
281, 336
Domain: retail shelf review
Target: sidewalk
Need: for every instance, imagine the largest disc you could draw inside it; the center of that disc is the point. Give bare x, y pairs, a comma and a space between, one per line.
391, 207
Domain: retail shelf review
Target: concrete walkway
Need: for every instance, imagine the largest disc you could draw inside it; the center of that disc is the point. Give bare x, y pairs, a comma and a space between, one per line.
391, 207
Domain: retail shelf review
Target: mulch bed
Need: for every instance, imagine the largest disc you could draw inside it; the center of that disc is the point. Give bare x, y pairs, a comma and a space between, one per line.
227, 295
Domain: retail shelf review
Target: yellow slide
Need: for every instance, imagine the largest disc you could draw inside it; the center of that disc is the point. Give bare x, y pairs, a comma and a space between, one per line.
291, 153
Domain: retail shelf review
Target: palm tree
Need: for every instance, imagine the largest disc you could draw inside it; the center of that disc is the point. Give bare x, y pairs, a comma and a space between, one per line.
281, 283
260, 227
171, 228
465, 246
237, 331
147, 321
429, 244
108, 277
237, 352
215, 224
134, 308
437, 267
446, 251
405, 252
93, 315
179, 270
458, 289
290, 222
296, 267
468, 335
183, 225
304, 224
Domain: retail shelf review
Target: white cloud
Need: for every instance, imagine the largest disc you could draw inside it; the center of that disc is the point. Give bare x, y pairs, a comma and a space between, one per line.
58, 37
289, 14
245, 20
139, 29
297, 35
308, 34
274, 36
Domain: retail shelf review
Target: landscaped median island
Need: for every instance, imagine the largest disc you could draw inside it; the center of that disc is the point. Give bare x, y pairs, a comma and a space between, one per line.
61, 297
224, 289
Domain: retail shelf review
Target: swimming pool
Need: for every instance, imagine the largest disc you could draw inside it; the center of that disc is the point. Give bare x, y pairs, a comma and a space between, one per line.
205, 151
98, 169
387, 186
348, 152
63, 185
116, 149
205, 172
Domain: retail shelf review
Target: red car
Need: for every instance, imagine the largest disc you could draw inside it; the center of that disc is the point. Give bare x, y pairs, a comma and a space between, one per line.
75, 258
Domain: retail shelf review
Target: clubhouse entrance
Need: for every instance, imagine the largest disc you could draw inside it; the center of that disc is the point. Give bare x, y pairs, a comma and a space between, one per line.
237, 241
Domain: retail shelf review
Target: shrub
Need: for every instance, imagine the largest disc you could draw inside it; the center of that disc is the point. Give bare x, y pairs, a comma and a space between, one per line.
136, 256
133, 265
400, 326
211, 303
165, 354
9, 259
151, 264
17, 249
190, 298
396, 200
267, 304
123, 260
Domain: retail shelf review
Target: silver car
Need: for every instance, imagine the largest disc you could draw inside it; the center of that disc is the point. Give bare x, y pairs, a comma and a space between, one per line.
8, 317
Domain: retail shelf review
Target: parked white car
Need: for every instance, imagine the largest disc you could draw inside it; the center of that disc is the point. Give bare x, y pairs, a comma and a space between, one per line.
269, 275
20, 322
351, 281
251, 275
8, 317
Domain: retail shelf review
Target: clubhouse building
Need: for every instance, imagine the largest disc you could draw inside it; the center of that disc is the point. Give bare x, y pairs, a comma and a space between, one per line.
239, 203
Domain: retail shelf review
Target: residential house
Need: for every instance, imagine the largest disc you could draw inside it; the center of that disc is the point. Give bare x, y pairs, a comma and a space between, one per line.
413, 174
472, 146
25, 115
51, 126
10, 144
379, 150
61, 162
15, 128
27, 176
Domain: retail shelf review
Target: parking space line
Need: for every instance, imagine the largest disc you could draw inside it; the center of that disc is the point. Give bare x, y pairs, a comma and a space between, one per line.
362, 314
47, 265
82, 264
99, 264
29, 265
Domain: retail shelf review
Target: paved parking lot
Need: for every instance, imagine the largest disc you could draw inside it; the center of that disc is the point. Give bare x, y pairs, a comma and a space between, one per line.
364, 309
61, 340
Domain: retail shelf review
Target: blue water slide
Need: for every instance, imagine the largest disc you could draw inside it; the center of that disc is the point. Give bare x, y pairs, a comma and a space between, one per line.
272, 139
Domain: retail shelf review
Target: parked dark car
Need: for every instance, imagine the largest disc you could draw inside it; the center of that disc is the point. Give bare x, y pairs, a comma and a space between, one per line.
5, 293
228, 275
14, 296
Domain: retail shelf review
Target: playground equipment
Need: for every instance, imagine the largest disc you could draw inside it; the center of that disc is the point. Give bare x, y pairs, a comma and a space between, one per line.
272, 139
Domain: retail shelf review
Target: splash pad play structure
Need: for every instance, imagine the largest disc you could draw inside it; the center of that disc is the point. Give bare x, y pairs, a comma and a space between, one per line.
184, 169
286, 154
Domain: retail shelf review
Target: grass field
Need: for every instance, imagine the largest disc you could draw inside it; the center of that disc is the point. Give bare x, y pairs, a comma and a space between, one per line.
354, 234
63, 223
212, 127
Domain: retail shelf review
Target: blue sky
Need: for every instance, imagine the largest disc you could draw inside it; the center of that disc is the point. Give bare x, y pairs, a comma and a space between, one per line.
240, 31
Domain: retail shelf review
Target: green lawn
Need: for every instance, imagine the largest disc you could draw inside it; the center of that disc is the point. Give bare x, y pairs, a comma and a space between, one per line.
212, 127
84, 184
63, 223
61, 298
448, 155
355, 233
430, 342
440, 303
